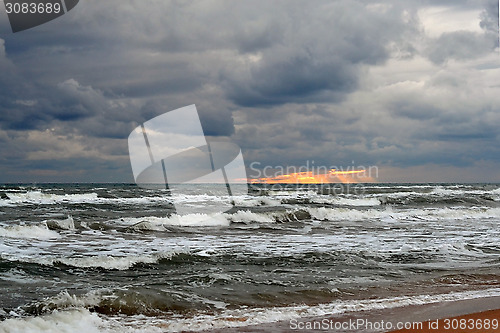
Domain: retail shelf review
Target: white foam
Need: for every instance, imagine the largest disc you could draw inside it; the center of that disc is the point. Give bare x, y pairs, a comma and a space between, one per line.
20, 277
342, 214
438, 192
445, 191
248, 217
195, 198
70, 321
155, 223
67, 224
496, 194
74, 318
28, 231
292, 193
318, 213
105, 261
39, 197
65, 300
312, 197
358, 202
118, 262
198, 220
247, 201
152, 224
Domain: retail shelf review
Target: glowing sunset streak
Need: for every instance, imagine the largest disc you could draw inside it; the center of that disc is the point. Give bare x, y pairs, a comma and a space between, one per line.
333, 176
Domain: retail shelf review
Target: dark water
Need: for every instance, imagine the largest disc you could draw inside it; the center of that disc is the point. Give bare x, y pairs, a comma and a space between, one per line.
106, 258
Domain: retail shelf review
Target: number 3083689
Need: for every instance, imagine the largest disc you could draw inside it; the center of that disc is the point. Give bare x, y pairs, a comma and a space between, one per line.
33, 8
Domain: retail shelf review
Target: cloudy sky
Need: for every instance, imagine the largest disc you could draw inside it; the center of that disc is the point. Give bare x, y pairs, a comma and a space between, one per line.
412, 87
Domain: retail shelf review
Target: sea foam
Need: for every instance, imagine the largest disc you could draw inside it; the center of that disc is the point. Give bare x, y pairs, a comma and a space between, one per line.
70, 321
28, 231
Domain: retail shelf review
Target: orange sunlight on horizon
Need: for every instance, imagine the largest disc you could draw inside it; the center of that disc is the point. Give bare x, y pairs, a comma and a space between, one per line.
308, 177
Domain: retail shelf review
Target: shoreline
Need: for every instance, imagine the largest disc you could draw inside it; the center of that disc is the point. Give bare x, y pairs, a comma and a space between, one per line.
386, 320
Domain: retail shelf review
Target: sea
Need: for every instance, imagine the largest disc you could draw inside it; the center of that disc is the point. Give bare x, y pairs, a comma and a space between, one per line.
118, 258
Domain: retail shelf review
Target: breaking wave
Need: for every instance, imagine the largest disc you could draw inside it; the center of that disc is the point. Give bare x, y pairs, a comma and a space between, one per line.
28, 231
91, 313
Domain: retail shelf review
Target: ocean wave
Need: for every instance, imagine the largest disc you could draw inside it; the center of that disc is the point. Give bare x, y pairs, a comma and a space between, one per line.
300, 250
246, 216
67, 224
341, 201
291, 214
64, 301
123, 301
247, 201
345, 214
369, 196
28, 231
107, 262
103, 261
154, 223
20, 277
439, 195
254, 216
70, 321
247, 317
72, 314
361, 196
66, 313
39, 197
42, 198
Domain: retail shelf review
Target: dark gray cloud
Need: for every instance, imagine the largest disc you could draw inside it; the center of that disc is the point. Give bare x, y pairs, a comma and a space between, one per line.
80, 108
464, 45
216, 120
489, 17
318, 58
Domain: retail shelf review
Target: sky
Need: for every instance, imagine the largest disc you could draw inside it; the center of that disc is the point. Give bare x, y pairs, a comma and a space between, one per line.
409, 87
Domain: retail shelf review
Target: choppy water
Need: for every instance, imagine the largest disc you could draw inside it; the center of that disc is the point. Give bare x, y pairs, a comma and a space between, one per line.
112, 258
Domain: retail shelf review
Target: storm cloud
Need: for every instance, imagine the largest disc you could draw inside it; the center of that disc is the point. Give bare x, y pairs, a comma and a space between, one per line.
398, 84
